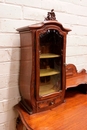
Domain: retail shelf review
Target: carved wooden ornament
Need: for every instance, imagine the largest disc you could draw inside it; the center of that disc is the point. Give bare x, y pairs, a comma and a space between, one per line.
51, 15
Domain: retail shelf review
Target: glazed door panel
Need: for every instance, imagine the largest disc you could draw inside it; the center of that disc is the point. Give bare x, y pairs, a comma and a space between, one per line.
50, 61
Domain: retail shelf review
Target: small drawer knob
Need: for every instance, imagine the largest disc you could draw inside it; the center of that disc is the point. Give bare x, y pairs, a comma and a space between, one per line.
51, 103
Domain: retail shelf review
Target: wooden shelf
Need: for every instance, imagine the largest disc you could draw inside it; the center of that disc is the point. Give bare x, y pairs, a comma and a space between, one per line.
48, 72
46, 89
48, 55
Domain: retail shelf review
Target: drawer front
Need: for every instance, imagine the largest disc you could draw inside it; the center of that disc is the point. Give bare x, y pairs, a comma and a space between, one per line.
49, 103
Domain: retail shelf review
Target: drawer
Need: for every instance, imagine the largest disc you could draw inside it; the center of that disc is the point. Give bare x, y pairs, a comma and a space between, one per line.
49, 102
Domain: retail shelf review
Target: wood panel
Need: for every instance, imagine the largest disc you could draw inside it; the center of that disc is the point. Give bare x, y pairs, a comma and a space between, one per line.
73, 77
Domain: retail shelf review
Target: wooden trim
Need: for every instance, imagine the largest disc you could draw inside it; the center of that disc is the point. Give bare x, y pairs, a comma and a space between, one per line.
73, 77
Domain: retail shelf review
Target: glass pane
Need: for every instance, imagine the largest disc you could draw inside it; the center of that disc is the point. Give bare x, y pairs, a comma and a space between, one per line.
51, 46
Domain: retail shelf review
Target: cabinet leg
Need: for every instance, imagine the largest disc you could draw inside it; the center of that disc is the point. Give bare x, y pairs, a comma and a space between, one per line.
19, 124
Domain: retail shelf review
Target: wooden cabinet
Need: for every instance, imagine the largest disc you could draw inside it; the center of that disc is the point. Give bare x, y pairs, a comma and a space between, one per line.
42, 64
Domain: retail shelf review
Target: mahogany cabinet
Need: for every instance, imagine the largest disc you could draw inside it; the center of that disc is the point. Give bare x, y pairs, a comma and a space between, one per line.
42, 65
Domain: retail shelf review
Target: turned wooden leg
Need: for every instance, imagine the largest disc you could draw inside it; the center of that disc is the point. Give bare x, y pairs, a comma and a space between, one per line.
19, 124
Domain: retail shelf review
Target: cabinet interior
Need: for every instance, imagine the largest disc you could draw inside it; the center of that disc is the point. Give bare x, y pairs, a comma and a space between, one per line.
50, 57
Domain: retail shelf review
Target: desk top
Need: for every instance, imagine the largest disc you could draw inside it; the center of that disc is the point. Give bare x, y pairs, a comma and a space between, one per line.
47, 120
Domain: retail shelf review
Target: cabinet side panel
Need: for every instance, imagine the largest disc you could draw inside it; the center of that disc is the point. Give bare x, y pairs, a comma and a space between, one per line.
26, 54
26, 39
26, 68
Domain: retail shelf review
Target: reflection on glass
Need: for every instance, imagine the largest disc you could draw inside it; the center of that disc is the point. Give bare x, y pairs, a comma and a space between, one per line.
49, 85
50, 62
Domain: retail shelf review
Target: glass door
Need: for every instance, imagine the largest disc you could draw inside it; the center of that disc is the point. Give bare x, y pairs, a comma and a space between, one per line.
50, 62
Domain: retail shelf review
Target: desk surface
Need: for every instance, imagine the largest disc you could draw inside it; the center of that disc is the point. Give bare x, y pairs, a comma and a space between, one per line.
70, 115
47, 120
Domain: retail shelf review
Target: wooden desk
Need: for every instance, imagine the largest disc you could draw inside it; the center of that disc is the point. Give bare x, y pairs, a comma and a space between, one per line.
48, 120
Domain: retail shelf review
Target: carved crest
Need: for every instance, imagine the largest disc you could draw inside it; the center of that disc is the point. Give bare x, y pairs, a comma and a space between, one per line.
51, 15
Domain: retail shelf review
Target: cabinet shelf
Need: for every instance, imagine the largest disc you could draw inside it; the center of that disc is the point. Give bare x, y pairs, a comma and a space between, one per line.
48, 72
46, 89
48, 55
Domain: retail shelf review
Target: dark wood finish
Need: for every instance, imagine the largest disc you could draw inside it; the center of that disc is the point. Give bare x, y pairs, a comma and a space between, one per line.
30, 68
75, 78
70, 115
51, 15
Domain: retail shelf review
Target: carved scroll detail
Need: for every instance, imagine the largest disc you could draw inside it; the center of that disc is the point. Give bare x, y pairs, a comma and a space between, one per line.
71, 71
